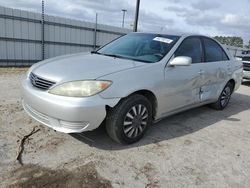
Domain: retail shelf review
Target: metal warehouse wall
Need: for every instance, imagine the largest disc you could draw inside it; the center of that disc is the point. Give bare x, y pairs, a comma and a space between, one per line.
22, 44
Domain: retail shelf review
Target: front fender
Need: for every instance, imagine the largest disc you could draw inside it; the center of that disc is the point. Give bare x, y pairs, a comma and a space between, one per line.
148, 77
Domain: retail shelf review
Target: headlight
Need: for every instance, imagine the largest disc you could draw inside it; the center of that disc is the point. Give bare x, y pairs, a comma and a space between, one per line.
80, 88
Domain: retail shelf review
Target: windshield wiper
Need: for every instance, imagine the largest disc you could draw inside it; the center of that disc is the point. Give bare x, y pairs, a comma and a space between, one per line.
141, 60
122, 57
95, 52
111, 55
129, 58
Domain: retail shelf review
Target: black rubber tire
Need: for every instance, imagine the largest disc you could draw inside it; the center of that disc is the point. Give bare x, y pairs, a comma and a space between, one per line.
217, 105
116, 115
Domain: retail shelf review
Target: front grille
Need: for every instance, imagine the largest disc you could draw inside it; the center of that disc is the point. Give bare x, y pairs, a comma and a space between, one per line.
39, 82
246, 66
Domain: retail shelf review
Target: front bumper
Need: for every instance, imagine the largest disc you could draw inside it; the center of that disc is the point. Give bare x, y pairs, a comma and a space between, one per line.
64, 114
246, 74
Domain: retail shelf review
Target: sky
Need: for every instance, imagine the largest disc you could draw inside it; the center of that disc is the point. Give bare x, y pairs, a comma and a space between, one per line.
207, 17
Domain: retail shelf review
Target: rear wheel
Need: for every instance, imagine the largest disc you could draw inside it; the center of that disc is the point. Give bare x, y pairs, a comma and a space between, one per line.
127, 122
224, 98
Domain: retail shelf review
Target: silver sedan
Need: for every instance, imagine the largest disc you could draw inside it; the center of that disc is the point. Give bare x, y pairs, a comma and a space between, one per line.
130, 83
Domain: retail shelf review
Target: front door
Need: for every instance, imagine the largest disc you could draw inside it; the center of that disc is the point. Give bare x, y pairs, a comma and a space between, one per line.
183, 83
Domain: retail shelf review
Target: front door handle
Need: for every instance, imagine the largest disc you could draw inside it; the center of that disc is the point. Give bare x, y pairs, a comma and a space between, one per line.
201, 72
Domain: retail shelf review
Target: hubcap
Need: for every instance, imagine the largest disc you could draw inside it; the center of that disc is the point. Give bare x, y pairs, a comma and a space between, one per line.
226, 94
135, 121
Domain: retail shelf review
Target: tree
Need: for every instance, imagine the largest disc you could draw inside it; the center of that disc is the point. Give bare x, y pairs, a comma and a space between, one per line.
231, 41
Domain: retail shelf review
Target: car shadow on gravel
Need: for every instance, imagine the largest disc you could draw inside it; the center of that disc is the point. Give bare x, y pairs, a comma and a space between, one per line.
171, 127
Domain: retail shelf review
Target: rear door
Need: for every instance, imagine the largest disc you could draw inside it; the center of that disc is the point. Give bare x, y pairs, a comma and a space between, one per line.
215, 71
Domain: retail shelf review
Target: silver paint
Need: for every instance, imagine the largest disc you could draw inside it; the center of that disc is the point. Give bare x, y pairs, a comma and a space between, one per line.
176, 88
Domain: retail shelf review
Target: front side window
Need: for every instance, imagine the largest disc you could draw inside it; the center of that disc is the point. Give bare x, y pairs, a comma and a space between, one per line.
191, 47
213, 52
143, 47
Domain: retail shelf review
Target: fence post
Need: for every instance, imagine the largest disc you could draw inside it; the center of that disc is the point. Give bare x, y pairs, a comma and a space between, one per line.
43, 50
95, 31
235, 54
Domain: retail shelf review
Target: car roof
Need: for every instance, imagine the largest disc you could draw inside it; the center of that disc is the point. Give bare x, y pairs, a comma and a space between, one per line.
180, 34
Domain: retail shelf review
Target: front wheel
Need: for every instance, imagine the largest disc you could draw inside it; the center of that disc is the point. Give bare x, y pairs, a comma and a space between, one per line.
127, 122
224, 98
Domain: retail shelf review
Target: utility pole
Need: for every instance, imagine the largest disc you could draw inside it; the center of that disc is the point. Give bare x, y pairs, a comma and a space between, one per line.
136, 15
123, 18
43, 50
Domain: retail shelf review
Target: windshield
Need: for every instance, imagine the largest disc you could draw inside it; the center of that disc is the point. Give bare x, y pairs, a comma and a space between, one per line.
148, 48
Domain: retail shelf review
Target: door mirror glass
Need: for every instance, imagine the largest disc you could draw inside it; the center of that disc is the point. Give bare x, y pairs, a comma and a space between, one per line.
181, 61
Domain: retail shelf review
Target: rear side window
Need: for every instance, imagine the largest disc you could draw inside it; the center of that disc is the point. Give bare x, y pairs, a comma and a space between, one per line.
213, 51
191, 47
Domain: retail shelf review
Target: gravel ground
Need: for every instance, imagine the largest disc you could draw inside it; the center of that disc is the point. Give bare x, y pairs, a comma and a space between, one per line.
197, 148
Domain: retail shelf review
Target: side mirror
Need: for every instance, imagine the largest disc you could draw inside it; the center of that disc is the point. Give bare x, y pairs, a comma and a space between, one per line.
181, 61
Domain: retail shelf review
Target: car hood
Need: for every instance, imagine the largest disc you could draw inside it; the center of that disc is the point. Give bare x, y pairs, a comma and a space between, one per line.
82, 66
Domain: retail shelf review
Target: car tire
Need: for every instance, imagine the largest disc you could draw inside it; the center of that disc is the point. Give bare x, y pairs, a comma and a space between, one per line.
128, 121
224, 97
